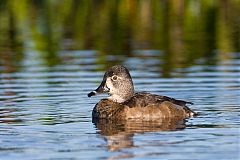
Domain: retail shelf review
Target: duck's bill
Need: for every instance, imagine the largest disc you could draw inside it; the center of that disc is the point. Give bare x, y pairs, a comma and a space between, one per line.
101, 89
93, 93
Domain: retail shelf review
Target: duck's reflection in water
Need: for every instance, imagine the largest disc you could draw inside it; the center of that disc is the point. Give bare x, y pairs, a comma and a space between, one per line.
119, 133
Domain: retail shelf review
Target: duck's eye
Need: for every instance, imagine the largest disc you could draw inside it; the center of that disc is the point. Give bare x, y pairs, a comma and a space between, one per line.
114, 77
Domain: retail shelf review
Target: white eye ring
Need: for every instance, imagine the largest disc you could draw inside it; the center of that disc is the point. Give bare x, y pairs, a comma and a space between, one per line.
114, 77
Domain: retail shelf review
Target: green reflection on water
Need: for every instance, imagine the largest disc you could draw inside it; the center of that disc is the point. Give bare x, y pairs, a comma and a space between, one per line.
183, 30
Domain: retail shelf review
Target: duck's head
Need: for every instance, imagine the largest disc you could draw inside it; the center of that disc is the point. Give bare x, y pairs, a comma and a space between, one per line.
117, 82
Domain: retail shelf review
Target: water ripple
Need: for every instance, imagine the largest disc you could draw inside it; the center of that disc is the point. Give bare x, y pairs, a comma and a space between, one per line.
46, 109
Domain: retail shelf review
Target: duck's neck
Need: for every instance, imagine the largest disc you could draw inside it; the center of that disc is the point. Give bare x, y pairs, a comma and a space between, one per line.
117, 98
121, 98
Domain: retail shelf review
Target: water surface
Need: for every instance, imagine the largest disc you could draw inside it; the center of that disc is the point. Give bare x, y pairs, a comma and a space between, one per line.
45, 112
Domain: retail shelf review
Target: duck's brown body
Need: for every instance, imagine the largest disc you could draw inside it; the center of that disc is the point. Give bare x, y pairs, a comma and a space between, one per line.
143, 106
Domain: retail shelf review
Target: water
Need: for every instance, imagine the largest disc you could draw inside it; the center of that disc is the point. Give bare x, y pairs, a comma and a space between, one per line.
53, 53
45, 112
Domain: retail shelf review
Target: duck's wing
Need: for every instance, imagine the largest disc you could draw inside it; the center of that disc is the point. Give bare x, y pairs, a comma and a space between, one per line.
148, 98
150, 106
175, 101
164, 102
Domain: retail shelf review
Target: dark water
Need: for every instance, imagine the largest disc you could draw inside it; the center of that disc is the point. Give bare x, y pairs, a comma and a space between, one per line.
45, 112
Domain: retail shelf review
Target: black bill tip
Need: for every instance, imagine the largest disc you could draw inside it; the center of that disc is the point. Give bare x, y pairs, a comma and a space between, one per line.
93, 93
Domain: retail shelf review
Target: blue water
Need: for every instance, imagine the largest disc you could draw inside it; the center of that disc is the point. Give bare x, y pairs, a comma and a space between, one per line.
45, 112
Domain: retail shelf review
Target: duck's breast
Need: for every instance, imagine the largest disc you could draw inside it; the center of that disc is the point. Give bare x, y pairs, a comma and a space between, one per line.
108, 109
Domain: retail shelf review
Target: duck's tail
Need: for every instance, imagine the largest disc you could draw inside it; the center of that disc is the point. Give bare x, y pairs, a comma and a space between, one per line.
190, 112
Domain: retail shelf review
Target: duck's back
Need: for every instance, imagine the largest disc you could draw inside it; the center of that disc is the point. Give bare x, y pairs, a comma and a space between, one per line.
143, 106
151, 106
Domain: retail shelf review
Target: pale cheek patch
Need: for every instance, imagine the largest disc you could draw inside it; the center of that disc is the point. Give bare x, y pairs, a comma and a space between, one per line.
110, 85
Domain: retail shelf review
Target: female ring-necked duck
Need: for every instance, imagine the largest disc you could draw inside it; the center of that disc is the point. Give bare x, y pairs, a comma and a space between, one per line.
124, 103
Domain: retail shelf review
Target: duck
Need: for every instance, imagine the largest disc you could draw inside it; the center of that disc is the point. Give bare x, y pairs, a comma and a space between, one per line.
124, 103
